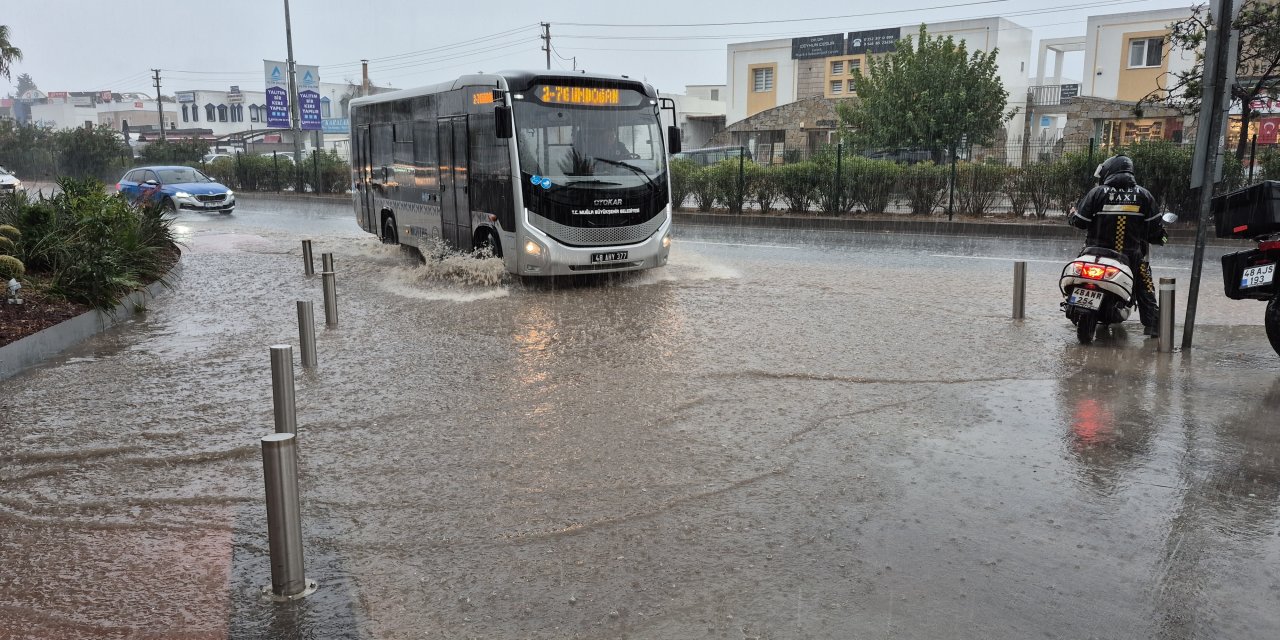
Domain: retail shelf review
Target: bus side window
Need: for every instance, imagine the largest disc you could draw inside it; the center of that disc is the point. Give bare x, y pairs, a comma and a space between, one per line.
381, 141
426, 166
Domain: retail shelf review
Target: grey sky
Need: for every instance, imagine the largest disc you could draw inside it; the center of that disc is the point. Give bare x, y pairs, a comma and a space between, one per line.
83, 45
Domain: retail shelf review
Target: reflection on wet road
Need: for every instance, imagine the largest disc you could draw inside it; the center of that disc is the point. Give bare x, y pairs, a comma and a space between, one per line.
780, 435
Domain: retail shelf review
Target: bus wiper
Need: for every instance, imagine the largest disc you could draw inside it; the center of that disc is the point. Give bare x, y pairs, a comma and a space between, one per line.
566, 185
631, 167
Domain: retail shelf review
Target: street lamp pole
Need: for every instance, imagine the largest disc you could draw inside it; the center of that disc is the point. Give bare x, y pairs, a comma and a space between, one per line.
294, 113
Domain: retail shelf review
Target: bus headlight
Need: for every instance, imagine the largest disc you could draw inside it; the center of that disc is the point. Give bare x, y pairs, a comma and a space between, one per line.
666, 241
533, 249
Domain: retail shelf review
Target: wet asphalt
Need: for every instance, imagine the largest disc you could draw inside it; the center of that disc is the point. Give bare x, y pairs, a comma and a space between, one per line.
782, 434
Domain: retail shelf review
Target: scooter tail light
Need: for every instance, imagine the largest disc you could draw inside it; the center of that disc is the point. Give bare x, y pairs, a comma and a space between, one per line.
1075, 268
1111, 273
1093, 271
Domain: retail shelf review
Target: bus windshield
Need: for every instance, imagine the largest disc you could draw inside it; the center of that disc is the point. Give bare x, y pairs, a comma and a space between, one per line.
569, 144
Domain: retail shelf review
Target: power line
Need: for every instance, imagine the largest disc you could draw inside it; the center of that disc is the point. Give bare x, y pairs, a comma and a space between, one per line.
463, 43
725, 24
1029, 12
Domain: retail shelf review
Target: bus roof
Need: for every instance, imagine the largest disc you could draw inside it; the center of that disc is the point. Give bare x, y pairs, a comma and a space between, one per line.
515, 81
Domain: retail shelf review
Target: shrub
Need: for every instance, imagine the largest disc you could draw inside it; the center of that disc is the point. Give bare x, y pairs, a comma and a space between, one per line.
682, 177
11, 232
1036, 183
978, 186
10, 267
869, 184
179, 152
762, 187
6, 246
728, 183
704, 192
1070, 178
924, 186
1270, 162
797, 186
1013, 189
95, 247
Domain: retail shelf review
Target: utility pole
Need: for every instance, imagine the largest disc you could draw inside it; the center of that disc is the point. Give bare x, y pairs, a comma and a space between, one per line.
295, 115
546, 36
159, 105
1214, 103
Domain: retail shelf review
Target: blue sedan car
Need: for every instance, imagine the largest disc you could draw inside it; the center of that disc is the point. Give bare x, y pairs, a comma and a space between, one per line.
176, 188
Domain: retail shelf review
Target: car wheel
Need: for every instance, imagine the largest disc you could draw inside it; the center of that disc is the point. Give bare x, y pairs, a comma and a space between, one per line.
170, 206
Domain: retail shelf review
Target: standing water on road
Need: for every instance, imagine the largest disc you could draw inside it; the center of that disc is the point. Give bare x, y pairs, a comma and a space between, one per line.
775, 436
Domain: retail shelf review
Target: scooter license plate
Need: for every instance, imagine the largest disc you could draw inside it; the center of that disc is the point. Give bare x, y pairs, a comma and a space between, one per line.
1258, 276
1087, 298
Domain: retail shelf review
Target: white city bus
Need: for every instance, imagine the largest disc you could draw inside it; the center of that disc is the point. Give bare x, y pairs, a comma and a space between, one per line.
525, 163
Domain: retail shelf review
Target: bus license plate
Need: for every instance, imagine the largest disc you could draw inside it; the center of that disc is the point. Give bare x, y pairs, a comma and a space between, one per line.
613, 256
1087, 298
1258, 276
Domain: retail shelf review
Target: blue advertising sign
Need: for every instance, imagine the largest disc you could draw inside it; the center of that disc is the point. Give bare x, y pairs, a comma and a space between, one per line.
309, 110
336, 125
277, 108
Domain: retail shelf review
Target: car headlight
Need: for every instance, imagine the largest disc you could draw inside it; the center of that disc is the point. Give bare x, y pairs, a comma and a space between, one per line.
182, 194
533, 248
230, 193
666, 241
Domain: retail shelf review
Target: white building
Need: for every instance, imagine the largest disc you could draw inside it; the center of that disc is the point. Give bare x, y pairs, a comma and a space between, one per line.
700, 113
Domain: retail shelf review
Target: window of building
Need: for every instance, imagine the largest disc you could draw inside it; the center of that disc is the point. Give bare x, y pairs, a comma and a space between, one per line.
326, 108
1145, 52
851, 85
222, 113
185, 117
239, 112
253, 113
209, 113
837, 68
855, 67
762, 80
715, 94
837, 87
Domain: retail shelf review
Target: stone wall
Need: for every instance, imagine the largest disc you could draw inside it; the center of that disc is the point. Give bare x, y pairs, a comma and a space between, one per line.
1084, 112
815, 113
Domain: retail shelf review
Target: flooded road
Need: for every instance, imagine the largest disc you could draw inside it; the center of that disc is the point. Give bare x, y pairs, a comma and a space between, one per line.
779, 435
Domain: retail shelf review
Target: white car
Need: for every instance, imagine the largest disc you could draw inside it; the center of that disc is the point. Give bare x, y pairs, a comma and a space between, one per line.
9, 183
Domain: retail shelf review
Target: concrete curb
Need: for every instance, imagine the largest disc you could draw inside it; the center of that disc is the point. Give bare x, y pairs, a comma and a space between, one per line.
915, 226
36, 348
250, 196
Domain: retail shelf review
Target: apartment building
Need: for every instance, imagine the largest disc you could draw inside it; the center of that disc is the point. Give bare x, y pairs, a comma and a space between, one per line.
787, 86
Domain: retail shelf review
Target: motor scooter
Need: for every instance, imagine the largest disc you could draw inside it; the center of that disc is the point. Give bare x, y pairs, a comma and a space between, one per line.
1098, 286
1253, 212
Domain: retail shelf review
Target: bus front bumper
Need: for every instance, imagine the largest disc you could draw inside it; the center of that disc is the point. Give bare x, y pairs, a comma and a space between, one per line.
543, 256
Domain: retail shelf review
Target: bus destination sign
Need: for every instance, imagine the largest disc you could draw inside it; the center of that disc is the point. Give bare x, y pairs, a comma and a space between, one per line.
586, 96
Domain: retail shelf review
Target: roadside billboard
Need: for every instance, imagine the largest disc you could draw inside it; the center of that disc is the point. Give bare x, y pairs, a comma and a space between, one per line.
277, 77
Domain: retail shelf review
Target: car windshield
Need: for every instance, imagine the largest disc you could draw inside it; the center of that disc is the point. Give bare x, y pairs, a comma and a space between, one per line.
181, 175
573, 144
5, 172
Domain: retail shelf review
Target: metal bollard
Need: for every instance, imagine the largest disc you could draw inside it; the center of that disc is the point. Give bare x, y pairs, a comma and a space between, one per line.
286, 411
307, 333
330, 291
1019, 290
1168, 291
284, 518
308, 264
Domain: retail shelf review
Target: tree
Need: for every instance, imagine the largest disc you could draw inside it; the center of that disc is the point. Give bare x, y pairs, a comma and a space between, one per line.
1257, 62
930, 93
25, 83
8, 53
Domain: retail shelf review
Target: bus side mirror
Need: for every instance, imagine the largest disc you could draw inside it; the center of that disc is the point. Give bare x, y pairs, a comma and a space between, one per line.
502, 122
673, 140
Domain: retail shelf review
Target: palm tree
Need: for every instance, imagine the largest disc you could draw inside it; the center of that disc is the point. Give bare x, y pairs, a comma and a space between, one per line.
8, 53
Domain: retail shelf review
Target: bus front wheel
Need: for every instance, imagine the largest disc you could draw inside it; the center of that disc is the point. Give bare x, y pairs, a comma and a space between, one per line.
389, 235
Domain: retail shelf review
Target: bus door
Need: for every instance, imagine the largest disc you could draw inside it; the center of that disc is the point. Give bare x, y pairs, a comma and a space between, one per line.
364, 167
455, 200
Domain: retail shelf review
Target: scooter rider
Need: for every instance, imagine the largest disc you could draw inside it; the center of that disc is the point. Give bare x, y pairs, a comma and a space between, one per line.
1119, 214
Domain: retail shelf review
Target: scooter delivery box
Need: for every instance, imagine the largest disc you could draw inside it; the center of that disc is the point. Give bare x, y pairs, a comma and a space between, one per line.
1249, 212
